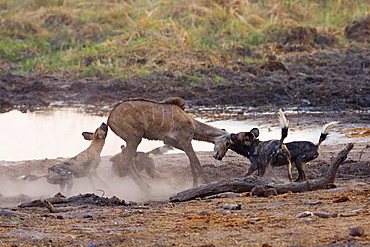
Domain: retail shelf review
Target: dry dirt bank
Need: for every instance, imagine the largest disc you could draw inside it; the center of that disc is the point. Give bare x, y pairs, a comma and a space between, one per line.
270, 221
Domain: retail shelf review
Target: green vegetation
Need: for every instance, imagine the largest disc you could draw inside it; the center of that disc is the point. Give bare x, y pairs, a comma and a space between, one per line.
125, 38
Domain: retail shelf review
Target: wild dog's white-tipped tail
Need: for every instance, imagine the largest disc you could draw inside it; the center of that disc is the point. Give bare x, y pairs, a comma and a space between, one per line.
325, 131
327, 127
30, 177
284, 123
160, 150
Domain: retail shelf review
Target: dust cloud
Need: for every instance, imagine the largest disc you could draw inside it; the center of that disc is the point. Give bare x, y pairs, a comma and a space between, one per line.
14, 190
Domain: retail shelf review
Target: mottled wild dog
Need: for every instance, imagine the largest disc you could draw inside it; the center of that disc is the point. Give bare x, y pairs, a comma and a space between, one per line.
263, 153
166, 120
84, 164
143, 162
302, 152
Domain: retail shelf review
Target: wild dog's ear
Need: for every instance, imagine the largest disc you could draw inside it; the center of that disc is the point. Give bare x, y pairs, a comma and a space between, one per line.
223, 129
122, 147
234, 138
255, 132
88, 135
104, 127
249, 136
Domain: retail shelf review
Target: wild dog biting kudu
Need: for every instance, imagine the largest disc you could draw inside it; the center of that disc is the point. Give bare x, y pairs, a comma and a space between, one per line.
263, 153
166, 120
84, 164
142, 161
301, 152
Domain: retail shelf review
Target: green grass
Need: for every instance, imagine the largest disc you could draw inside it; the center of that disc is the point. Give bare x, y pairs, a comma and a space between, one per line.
126, 38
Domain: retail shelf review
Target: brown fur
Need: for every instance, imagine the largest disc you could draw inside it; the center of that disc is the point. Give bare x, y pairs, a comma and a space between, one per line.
135, 119
143, 161
84, 164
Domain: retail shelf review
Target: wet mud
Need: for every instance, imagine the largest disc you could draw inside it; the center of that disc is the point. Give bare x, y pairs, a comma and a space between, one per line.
330, 79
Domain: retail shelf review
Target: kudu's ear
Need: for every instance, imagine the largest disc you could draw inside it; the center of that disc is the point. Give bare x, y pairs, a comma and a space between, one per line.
88, 135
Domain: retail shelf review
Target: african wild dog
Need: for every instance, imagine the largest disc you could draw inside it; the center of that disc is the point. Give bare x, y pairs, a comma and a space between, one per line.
302, 152
142, 161
84, 164
263, 153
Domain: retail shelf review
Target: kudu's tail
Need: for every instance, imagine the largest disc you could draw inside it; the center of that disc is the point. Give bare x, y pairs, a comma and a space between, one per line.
284, 125
325, 131
160, 150
30, 177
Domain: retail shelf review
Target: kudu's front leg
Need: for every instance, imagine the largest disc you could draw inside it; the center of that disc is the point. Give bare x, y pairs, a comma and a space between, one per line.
127, 162
194, 164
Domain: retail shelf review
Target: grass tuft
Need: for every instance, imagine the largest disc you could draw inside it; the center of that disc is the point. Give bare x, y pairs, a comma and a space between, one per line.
127, 38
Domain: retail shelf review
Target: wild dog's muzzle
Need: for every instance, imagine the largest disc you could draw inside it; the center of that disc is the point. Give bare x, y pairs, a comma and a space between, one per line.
217, 155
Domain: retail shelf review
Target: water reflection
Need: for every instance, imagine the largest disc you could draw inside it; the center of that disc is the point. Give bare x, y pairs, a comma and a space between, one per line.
57, 133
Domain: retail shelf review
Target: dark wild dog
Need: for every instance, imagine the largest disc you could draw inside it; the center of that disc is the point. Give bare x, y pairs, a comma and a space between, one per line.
142, 161
302, 152
84, 164
263, 153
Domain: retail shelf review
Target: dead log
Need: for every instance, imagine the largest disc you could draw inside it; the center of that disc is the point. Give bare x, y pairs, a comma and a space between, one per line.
240, 185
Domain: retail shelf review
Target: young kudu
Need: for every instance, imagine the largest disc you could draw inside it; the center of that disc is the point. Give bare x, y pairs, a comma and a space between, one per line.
166, 120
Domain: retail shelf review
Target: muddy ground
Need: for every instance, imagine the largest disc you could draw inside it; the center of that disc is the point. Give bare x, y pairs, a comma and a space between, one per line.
333, 82
330, 79
154, 221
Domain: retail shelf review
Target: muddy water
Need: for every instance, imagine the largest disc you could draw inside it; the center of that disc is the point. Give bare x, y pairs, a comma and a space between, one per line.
57, 133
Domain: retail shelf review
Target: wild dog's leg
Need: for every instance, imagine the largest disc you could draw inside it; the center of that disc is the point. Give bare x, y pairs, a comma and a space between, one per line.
301, 175
251, 169
289, 165
149, 168
262, 169
69, 186
288, 160
62, 186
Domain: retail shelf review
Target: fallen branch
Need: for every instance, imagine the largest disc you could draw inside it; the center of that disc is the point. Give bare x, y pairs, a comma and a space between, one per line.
240, 185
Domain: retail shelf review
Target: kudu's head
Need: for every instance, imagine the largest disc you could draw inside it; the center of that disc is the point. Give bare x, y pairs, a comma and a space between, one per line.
222, 144
99, 134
